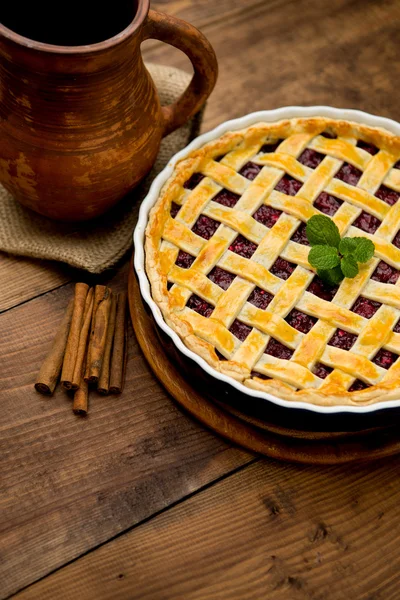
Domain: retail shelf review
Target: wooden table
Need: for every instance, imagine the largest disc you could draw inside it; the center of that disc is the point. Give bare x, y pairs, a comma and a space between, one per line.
138, 500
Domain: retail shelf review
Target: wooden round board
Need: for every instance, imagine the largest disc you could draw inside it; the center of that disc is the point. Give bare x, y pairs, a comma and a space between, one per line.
229, 423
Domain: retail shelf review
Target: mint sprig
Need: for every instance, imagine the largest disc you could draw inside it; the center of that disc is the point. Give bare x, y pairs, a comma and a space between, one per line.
349, 266
331, 277
332, 257
323, 257
364, 251
321, 230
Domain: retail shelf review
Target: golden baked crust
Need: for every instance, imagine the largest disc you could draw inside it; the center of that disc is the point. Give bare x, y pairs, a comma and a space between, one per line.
211, 338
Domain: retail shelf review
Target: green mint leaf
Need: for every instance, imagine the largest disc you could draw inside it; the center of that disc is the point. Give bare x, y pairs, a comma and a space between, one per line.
364, 249
332, 277
347, 246
322, 231
323, 257
349, 266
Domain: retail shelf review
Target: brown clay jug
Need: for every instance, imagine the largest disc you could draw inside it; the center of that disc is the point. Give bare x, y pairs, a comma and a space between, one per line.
80, 119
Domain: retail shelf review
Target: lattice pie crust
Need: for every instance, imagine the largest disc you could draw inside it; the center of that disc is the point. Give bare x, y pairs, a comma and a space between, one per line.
226, 257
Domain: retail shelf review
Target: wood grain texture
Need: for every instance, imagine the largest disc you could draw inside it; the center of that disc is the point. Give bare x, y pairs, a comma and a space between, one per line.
22, 279
69, 484
275, 53
270, 531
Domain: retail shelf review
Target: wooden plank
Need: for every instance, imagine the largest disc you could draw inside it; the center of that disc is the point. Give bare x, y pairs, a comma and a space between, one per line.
303, 52
69, 484
270, 531
22, 279
203, 13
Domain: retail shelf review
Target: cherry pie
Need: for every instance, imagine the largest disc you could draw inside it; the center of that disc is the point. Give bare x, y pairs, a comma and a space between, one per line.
226, 256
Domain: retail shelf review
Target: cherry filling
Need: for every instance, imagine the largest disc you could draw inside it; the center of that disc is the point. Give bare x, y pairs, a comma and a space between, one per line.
367, 222
387, 195
259, 375
275, 348
327, 204
397, 165
288, 185
267, 215
260, 298
385, 273
194, 180
270, 147
300, 236
300, 321
348, 174
396, 328
240, 330
200, 306
367, 147
342, 339
282, 268
358, 385
221, 277
250, 170
321, 370
174, 209
318, 288
205, 227
243, 247
311, 158
184, 260
396, 240
219, 158
385, 358
329, 134
226, 198
365, 307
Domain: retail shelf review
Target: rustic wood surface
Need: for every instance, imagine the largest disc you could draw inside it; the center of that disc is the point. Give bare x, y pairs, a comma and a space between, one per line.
270, 531
69, 484
139, 498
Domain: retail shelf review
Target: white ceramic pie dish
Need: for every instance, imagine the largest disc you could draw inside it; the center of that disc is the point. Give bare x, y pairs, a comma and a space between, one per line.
154, 192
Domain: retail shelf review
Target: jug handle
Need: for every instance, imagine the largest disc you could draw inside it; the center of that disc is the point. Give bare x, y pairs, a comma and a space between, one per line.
195, 45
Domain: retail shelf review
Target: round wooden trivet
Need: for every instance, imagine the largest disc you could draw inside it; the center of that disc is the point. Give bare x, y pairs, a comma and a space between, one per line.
252, 435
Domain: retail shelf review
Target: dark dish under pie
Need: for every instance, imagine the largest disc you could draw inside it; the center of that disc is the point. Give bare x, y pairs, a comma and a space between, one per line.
226, 256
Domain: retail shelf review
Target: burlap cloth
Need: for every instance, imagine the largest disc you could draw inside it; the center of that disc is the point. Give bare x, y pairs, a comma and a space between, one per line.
100, 243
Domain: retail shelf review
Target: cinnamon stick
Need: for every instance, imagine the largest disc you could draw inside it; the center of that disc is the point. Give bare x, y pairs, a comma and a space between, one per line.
98, 340
99, 292
71, 351
86, 371
119, 347
81, 396
104, 379
83, 338
49, 373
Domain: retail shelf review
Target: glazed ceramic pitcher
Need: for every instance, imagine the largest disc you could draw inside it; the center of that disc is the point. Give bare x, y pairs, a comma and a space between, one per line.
80, 119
